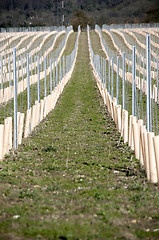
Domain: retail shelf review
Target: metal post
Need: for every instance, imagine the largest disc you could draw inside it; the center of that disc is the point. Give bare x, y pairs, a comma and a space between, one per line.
28, 88
38, 79
148, 73
1, 72
54, 73
31, 68
133, 81
50, 75
66, 64
45, 90
157, 83
123, 88
157, 99
112, 76
15, 99
18, 71
4, 65
117, 81
109, 77
28, 82
105, 74
60, 77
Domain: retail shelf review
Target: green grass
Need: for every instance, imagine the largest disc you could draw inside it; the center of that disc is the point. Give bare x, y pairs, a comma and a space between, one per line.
13, 43
73, 178
36, 43
95, 41
70, 44
108, 41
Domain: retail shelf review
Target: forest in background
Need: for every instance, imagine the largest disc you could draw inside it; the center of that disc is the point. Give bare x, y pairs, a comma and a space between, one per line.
24, 13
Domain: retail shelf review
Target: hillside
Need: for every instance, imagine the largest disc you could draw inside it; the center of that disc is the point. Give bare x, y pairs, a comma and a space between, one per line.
50, 12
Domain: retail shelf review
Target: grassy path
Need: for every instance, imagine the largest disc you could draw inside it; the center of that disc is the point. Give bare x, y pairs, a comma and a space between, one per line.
74, 178
96, 45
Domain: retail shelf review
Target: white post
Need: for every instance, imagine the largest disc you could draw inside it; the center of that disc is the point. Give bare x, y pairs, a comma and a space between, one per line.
28, 88
109, 77
148, 74
117, 81
38, 80
133, 81
50, 75
112, 76
157, 83
123, 88
15, 99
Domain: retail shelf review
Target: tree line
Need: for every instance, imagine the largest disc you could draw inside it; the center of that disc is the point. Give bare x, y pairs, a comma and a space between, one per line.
50, 4
65, 12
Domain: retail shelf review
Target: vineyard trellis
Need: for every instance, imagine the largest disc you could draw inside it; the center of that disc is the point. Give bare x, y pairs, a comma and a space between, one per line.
34, 71
29, 91
131, 100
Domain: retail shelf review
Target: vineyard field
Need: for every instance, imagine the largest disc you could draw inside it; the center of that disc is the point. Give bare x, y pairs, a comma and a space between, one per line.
79, 134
